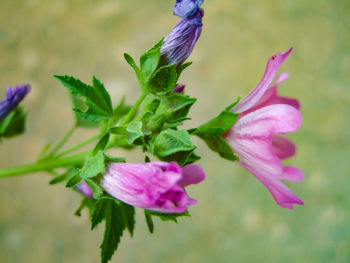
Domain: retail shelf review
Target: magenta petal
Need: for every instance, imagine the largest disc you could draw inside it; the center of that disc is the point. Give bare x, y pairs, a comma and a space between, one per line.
283, 147
291, 173
85, 189
253, 98
191, 174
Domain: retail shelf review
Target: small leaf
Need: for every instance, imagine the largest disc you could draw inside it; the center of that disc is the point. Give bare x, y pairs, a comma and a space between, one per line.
78, 103
97, 213
13, 124
149, 221
182, 67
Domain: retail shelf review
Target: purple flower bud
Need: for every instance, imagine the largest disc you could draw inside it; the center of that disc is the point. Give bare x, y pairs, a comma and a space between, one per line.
179, 43
179, 89
13, 97
157, 186
85, 189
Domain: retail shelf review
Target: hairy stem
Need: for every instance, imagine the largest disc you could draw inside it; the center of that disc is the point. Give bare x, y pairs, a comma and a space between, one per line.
134, 109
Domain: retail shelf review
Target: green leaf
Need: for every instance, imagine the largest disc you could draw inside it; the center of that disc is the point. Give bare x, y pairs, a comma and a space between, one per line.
118, 130
164, 80
114, 227
73, 177
171, 141
13, 124
95, 188
102, 143
149, 221
97, 100
193, 158
78, 103
93, 166
129, 217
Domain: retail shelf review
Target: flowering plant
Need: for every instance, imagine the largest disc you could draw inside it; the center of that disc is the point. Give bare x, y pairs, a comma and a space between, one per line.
246, 132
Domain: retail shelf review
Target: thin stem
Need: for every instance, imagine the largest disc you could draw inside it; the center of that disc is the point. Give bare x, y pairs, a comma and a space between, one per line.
62, 142
77, 159
78, 146
134, 109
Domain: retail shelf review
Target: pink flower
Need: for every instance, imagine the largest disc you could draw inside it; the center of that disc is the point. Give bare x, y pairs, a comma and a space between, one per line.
157, 186
256, 139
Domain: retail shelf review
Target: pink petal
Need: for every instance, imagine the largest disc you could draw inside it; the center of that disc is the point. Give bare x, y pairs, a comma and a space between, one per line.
283, 147
191, 174
251, 139
258, 92
291, 173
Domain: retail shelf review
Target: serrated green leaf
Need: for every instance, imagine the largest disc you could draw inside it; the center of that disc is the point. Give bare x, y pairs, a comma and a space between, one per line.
95, 188
97, 100
97, 213
149, 222
171, 141
13, 124
93, 166
78, 103
102, 143
114, 227
163, 80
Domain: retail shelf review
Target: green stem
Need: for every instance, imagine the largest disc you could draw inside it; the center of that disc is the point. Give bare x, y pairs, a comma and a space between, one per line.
78, 146
134, 109
62, 142
77, 159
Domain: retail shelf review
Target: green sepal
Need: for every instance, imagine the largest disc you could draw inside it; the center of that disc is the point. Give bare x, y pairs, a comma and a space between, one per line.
171, 111
95, 188
132, 63
93, 166
149, 221
97, 101
136, 130
173, 145
167, 217
163, 81
148, 64
129, 217
112, 159
102, 143
182, 67
212, 132
13, 124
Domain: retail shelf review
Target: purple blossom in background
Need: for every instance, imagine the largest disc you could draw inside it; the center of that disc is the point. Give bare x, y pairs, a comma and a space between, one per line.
156, 186
179, 43
85, 189
256, 139
179, 88
13, 97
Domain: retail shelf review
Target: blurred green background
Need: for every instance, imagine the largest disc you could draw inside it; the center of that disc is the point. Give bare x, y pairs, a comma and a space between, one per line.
236, 219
